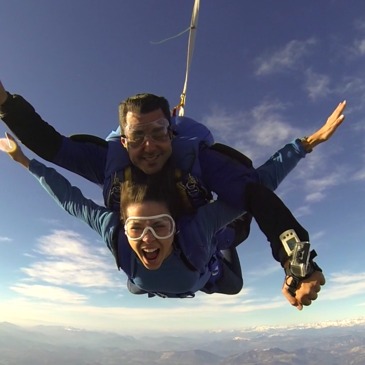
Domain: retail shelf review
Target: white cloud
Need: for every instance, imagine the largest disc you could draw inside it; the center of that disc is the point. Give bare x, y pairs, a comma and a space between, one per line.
65, 258
359, 46
270, 127
5, 239
302, 211
352, 87
318, 235
49, 293
317, 85
345, 285
315, 197
264, 271
254, 132
359, 175
318, 186
70, 273
320, 172
286, 58
224, 309
244, 309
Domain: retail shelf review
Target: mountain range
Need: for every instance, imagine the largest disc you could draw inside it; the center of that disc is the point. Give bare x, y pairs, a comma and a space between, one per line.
330, 343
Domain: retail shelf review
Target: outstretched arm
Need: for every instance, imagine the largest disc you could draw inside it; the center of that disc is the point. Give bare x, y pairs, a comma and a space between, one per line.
280, 164
85, 159
68, 197
28, 126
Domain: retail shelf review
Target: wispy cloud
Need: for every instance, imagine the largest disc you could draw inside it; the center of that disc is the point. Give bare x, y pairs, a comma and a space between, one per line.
224, 309
303, 211
254, 131
359, 175
49, 293
317, 85
317, 187
228, 311
285, 58
264, 271
5, 239
359, 46
65, 258
318, 235
345, 285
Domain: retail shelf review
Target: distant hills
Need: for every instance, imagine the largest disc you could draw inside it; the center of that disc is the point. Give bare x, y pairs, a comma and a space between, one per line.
331, 343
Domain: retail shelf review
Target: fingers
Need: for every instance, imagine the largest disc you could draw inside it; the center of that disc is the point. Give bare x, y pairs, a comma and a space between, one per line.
341, 107
339, 110
308, 299
317, 288
306, 292
322, 280
292, 300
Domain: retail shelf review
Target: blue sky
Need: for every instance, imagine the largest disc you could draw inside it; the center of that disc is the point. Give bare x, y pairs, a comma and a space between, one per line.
263, 73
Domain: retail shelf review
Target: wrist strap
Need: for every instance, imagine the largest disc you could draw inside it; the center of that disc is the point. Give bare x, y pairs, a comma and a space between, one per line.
312, 267
305, 144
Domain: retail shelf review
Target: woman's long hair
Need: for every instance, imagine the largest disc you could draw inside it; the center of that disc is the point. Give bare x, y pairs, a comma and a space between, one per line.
160, 187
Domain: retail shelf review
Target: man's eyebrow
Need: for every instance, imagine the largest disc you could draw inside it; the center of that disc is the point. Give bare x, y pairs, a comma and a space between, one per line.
143, 130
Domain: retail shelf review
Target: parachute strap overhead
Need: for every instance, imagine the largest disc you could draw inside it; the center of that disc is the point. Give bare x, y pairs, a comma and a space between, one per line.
192, 33
179, 107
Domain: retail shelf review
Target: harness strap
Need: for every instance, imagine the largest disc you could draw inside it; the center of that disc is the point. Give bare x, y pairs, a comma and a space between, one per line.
182, 191
128, 174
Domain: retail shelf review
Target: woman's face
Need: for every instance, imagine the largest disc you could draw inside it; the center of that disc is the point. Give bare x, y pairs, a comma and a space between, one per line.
150, 250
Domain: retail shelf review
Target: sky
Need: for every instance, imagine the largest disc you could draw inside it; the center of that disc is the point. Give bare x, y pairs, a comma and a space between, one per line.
263, 73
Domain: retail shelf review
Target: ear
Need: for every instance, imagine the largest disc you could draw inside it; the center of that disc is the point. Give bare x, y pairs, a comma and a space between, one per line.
124, 142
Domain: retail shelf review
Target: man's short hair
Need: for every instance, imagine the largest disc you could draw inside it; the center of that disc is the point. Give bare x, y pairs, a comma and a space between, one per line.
142, 104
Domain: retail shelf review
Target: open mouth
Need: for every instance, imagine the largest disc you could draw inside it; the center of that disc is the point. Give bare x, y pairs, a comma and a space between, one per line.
150, 254
151, 158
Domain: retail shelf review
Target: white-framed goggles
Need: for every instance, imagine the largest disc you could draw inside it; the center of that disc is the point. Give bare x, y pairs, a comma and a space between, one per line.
162, 226
157, 131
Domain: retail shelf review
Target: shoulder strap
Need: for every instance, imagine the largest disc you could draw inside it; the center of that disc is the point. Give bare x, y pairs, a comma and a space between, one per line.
88, 138
229, 151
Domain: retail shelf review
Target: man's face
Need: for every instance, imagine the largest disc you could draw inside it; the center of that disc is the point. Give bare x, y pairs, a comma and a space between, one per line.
154, 140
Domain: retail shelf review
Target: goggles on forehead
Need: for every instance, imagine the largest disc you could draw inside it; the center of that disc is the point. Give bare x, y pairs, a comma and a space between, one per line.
162, 226
158, 131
